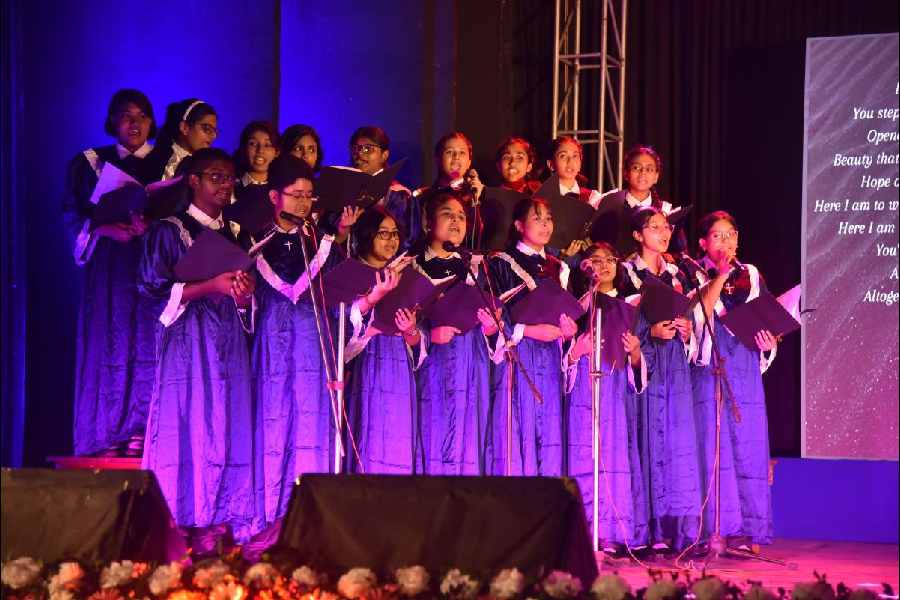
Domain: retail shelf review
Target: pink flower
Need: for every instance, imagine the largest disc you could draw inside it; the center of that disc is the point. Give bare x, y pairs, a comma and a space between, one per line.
21, 572
356, 583
412, 580
559, 584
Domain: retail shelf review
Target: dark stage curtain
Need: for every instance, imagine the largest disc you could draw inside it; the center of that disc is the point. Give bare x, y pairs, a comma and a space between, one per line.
716, 87
12, 271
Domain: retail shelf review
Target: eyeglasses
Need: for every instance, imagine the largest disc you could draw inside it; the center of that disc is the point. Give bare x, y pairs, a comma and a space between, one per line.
218, 178
660, 228
364, 149
723, 236
638, 169
386, 235
302, 196
208, 129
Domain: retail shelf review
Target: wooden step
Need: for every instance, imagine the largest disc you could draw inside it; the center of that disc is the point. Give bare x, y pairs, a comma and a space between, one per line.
101, 463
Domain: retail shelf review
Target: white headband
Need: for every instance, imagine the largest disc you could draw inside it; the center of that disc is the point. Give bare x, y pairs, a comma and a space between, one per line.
190, 108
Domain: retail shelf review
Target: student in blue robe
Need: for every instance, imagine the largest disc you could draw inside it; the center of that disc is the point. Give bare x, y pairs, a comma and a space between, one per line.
453, 164
538, 427
370, 148
303, 142
381, 397
622, 498
199, 432
190, 125
454, 381
295, 418
114, 362
257, 148
665, 417
746, 502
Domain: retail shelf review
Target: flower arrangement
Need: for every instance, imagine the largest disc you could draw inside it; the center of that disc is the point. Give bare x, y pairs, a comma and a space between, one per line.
232, 578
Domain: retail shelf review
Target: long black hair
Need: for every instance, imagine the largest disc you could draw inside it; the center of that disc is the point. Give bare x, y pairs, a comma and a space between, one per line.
190, 111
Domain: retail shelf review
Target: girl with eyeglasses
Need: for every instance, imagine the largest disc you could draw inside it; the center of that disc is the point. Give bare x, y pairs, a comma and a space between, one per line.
370, 148
200, 427
454, 381
114, 347
666, 422
622, 497
294, 424
190, 125
381, 396
746, 504
538, 446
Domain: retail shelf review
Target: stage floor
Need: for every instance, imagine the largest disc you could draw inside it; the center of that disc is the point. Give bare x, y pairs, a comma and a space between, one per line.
855, 564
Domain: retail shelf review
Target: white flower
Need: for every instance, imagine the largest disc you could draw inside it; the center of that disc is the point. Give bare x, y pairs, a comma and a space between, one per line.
661, 590
355, 583
21, 572
209, 576
164, 578
560, 584
413, 580
306, 576
508, 583
263, 575
116, 574
68, 576
457, 585
610, 587
709, 588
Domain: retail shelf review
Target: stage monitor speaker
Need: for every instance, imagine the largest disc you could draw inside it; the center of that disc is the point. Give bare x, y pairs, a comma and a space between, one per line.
86, 515
477, 524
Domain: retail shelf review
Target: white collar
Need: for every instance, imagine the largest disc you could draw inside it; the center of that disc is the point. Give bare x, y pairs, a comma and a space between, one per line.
613, 293
141, 152
632, 201
575, 189
180, 152
247, 180
639, 263
529, 251
430, 254
204, 219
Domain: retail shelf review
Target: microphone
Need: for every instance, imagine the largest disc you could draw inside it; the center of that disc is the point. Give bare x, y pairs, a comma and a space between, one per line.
302, 222
461, 250
738, 264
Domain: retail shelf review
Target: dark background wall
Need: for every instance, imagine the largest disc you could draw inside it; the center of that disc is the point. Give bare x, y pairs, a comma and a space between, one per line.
717, 87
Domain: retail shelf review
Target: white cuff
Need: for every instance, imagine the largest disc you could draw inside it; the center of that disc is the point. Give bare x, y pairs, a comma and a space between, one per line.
174, 307
570, 369
242, 314
766, 361
638, 389
423, 351
518, 334
85, 242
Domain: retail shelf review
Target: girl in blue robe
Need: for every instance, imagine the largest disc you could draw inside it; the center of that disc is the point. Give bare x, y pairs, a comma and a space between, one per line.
199, 432
381, 399
454, 381
295, 418
114, 364
666, 429
538, 427
746, 503
623, 500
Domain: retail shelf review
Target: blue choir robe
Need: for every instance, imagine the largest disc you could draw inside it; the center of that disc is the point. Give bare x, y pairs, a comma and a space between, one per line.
382, 403
537, 427
294, 420
114, 344
666, 431
746, 501
453, 385
200, 427
622, 497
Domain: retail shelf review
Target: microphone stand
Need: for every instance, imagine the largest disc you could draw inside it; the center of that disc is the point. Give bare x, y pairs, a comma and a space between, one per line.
512, 357
335, 385
718, 545
596, 373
